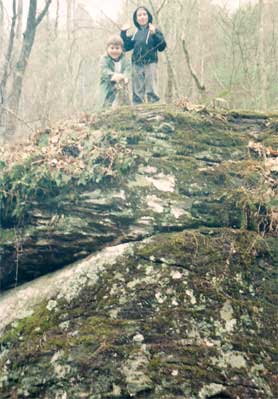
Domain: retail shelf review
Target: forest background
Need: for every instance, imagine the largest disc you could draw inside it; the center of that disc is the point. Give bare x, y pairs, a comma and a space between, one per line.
50, 52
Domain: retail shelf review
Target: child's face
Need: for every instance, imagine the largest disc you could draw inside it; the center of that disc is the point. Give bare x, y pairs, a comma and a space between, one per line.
142, 17
114, 51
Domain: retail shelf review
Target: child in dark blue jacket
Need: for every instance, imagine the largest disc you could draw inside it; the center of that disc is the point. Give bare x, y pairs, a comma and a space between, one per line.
145, 43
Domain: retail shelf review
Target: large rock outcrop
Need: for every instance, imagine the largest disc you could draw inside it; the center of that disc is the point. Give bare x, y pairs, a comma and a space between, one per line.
131, 174
171, 219
181, 315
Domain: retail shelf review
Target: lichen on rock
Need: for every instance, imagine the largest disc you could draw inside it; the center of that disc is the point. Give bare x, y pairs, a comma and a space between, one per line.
136, 173
177, 298
158, 338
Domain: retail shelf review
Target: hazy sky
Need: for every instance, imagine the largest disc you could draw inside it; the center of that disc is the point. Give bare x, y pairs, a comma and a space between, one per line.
109, 7
112, 7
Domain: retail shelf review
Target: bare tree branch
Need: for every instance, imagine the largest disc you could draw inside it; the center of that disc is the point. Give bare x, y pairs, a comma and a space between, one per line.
57, 17
44, 11
15, 115
161, 6
109, 19
200, 86
153, 8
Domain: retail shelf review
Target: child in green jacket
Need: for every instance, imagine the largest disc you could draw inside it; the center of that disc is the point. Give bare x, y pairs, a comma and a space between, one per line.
114, 70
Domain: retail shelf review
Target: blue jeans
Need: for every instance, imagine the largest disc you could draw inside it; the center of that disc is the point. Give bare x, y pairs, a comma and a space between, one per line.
144, 83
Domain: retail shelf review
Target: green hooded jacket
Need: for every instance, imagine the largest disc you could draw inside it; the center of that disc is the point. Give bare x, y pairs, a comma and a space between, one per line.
107, 70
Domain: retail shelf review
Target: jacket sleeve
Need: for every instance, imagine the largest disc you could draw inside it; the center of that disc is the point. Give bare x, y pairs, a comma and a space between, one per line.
159, 40
106, 72
127, 69
128, 42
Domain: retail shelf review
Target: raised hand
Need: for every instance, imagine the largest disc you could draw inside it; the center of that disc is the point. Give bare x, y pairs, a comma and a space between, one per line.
152, 28
126, 27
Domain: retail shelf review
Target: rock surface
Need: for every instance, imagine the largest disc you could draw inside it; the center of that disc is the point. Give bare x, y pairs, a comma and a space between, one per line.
181, 315
131, 174
178, 299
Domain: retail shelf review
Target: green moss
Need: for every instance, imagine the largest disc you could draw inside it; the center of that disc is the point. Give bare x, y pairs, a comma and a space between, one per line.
182, 340
173, 288
7, 235
103, 328
30, 327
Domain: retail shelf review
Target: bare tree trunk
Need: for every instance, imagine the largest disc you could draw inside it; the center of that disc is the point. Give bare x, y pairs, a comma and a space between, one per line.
172, 86
6, 72
69, 18
73, 10
169, 88
1, 26
20, 67
2, 124
57, 17
199, 59
8, 55
171, 83
19, 19
45, 88
261, 59
21, 64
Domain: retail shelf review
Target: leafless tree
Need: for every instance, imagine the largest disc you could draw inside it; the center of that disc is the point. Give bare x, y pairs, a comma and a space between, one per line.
211, 53
261, 58
7, 63
171, 79
33, 21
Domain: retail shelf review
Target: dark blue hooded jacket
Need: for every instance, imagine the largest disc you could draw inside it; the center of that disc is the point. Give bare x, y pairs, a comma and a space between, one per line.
144, 44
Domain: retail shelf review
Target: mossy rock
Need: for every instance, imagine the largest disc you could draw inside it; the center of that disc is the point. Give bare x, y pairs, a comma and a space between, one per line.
180, 315
127, 174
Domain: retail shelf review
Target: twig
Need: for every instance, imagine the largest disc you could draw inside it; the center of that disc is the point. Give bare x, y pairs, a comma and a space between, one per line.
161, 6
18, 248
200, 86
110, 19
16, 116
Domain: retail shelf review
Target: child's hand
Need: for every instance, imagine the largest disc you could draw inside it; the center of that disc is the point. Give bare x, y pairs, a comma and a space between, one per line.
152, 29
117, 77
126, 27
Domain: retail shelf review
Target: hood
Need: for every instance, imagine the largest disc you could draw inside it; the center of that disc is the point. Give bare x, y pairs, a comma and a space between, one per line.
149, 15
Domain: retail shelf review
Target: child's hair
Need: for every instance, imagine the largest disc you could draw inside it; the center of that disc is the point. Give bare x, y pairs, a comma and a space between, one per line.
115, 40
